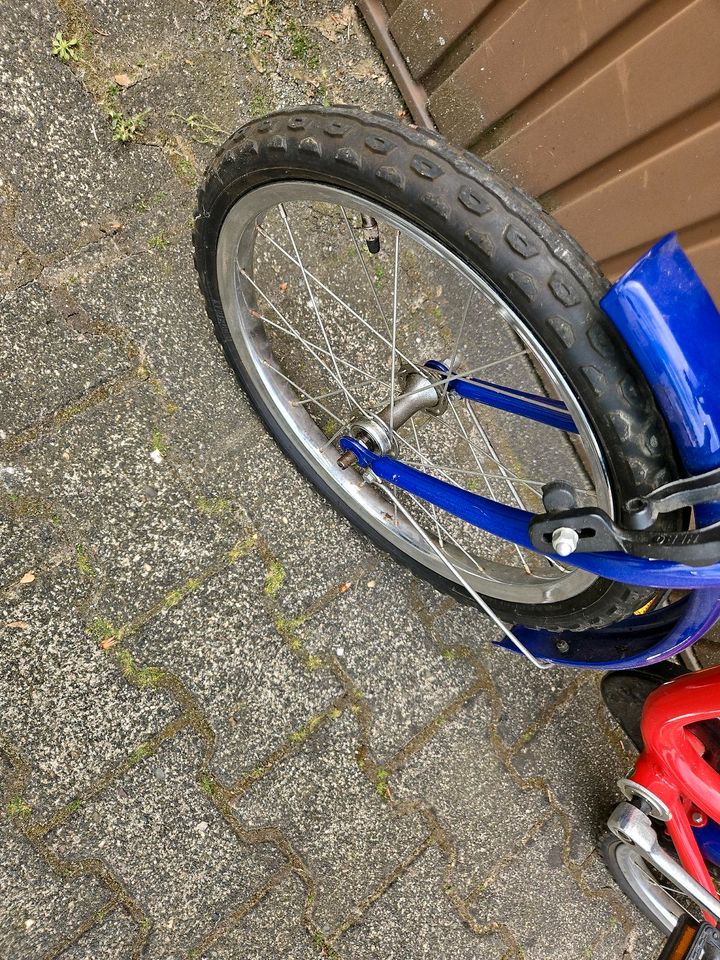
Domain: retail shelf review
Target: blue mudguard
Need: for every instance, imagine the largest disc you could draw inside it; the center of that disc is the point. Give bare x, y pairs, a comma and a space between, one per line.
671, 325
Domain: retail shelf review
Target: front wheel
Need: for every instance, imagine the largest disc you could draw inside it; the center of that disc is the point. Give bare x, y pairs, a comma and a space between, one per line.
338, 253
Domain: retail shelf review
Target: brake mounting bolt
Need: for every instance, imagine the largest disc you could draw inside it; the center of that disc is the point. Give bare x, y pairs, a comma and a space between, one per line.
564, 541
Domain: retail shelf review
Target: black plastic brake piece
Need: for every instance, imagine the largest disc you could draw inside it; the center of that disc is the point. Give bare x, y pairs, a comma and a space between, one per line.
598, 533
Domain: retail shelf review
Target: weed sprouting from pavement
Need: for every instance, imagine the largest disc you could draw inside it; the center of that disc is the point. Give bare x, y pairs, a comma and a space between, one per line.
66, 49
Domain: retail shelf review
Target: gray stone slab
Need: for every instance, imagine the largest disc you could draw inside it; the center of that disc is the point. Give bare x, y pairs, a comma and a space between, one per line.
250, 685
574, 754
538, 898
141, 526
142, 31
347, 835
272, 931
485, 811
29, 543
66, 708
416, 919
318, 549
527, 693
38, 908
49, 361
171, 847
378, 633
111, 940
57, 147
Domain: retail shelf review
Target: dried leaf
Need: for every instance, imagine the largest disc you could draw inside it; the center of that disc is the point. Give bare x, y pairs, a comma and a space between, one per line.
18, 625
27, 577
256, 61
344, 587
335, 24
115, 226
107, 643
283, 286
366, 70
122, 80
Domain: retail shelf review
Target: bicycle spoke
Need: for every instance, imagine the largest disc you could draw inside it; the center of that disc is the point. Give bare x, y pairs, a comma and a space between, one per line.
541, 665
394, 334
313, 348
346, 306
358, 250
488, 485
513, 490
456, 345
281, 208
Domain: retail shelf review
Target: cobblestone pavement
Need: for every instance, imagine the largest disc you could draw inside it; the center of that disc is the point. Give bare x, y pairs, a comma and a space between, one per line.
230, 728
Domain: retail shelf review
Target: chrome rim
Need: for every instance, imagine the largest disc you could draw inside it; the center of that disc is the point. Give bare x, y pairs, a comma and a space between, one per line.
660, 898
323, 330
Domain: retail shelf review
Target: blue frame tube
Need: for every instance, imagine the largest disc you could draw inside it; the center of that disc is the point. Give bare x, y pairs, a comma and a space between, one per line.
545, 410
511, 523
671, 325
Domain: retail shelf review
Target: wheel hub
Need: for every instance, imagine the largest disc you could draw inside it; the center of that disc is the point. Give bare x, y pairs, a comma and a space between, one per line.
421, 391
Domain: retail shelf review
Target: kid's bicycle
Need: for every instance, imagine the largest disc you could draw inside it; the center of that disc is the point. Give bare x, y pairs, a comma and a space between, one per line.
676, 784
456, 376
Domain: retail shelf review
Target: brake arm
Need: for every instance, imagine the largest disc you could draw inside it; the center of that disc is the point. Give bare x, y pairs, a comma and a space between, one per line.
596, 531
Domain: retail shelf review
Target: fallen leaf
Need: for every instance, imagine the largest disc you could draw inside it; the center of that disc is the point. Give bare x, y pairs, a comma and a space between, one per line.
107, 643
256, 61
122, 80
365, 70
18, 625
283, 286
27, 577
115, 226
334, 24
344, 587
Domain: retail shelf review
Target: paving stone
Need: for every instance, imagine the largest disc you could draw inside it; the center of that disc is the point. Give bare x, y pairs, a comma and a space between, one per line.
130, 31
415, 919
140, 525
526, 692
112, 940
571, 924
478, 802
66, 708
173, 850
57, 148
346, 834
379, 636
272, 931
574, 755
38, 908
153, 296
30, 542
250, 685
318, 549
50, 363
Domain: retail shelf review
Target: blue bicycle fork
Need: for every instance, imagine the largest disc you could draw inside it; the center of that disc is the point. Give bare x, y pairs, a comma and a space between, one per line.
671, 326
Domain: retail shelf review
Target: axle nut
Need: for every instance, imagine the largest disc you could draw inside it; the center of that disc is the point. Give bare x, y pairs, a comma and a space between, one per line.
564, 541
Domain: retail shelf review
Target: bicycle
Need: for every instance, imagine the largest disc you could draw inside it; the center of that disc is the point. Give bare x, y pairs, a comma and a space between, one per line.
364, 278
673, 720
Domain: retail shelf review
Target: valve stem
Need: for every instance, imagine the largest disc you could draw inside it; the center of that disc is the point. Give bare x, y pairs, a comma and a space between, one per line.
371, 233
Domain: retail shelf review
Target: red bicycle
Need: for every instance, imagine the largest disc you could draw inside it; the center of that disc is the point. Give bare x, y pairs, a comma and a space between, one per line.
667, 872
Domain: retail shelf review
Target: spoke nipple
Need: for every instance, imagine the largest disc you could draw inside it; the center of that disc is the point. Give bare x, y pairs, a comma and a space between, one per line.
348, 459
564, 541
